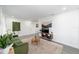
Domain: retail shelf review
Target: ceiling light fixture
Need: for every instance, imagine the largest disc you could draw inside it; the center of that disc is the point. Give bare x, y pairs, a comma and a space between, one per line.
64, 8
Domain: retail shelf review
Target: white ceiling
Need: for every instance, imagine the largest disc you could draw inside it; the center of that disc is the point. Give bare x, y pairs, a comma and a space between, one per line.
35, 12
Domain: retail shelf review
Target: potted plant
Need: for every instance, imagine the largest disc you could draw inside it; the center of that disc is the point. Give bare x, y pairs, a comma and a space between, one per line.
6, 42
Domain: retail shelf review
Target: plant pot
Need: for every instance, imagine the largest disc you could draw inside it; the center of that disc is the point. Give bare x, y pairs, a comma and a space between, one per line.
6, 50
1, 50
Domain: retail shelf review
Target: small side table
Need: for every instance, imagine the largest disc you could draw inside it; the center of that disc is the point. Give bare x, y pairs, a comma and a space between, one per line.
35, 40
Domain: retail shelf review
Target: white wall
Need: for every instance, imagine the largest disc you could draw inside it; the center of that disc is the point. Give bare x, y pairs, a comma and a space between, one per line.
66, 28
2, 23
27, 27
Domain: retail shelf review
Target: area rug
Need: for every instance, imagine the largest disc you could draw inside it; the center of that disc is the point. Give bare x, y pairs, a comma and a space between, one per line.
44, 47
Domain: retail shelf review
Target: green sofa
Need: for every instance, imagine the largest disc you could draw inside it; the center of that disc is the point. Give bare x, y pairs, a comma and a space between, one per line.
19, 47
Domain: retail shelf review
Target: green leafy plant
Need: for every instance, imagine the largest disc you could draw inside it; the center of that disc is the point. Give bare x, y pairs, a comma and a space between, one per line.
6, 40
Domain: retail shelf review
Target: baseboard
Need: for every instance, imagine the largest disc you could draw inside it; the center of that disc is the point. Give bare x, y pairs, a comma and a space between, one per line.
64, 44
